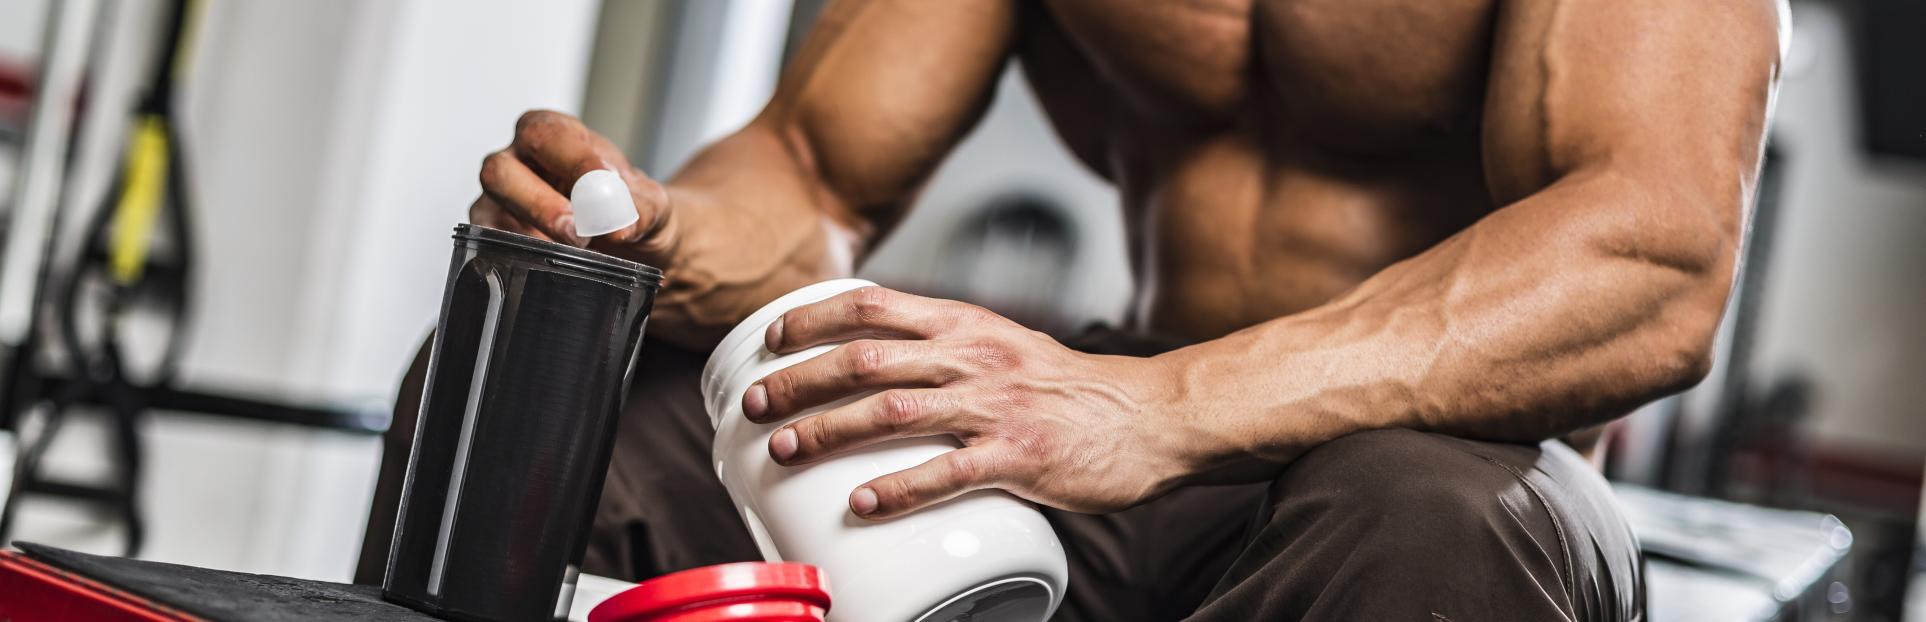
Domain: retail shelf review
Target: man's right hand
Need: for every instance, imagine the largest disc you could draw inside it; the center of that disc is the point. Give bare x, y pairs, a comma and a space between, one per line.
799, 193
525, 189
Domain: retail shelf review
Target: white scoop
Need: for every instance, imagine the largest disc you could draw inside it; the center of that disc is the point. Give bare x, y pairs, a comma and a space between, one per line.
602, 203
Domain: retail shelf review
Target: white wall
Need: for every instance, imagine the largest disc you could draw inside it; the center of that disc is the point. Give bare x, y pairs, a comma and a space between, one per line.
335, 144
20, 24
1846, 300
724, 68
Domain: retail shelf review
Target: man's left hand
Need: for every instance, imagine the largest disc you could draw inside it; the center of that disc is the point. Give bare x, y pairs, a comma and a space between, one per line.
1081, 432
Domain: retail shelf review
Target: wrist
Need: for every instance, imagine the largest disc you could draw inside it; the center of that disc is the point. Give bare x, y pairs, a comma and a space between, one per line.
1234, 421
1189, 434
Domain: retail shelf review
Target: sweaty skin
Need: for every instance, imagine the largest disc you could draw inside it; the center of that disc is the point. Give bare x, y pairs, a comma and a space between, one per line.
1505, 220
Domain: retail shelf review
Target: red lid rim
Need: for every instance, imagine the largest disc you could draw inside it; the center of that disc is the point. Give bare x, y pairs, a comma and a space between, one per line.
715, 585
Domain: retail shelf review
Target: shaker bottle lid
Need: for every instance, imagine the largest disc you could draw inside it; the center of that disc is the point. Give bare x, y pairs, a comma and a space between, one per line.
739, 592
601, 202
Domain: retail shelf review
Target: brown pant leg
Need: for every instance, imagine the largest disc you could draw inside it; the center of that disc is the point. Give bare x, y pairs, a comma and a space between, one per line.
395, 446
1156, 561
1159, 560
1403, 525
663, 509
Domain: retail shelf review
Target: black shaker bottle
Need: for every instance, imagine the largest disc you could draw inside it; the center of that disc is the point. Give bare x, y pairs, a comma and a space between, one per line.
530, 364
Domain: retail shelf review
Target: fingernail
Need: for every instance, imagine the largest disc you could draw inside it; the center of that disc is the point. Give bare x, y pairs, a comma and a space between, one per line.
773, 338
863, 501
565, 227
783, 444
755, 402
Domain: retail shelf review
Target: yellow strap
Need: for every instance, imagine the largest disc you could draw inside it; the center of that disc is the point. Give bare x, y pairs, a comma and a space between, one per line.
145, 174
140, 200
179, 64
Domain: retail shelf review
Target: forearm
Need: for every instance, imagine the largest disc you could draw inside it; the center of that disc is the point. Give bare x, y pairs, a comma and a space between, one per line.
751, 221
1546, 317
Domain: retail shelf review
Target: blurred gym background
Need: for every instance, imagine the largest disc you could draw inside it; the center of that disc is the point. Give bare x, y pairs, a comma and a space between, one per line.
211, 398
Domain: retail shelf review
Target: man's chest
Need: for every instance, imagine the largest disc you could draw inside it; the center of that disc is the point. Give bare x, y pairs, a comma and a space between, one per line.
1354, 75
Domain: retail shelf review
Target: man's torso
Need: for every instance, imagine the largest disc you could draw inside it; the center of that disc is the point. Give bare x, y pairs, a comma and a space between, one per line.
1270, 153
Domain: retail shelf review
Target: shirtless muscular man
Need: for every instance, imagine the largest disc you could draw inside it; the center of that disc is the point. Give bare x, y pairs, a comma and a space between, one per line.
1406, 242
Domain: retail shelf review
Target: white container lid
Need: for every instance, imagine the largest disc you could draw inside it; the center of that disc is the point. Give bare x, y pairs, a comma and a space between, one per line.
601, 203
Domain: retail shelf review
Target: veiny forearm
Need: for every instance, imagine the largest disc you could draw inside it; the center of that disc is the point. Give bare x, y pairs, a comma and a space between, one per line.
1623, 140
1548, 316
751, 221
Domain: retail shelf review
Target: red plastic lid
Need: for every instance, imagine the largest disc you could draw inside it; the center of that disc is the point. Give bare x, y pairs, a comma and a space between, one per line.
741, 592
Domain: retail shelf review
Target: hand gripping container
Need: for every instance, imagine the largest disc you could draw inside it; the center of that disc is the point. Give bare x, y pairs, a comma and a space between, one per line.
530, 365
984, 556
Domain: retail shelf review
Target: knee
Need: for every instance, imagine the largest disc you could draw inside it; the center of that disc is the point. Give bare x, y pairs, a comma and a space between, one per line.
1440, 524
1401, 473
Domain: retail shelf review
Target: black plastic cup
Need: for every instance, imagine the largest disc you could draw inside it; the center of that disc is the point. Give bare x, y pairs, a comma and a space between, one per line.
530, 365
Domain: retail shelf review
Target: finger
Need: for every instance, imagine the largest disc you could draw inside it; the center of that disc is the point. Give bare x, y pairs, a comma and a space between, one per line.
850, 368
889, 415
650, 231
486, 212
559, 148
940, 479
528, 198
869, 312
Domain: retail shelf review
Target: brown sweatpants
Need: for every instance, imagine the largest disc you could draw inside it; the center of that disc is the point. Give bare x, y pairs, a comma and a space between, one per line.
1387, 525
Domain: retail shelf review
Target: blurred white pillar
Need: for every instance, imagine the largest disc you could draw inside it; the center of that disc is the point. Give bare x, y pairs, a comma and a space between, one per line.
723, 69
69, 28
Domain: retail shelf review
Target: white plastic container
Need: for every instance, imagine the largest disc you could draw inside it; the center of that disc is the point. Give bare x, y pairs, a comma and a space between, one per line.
985, 556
